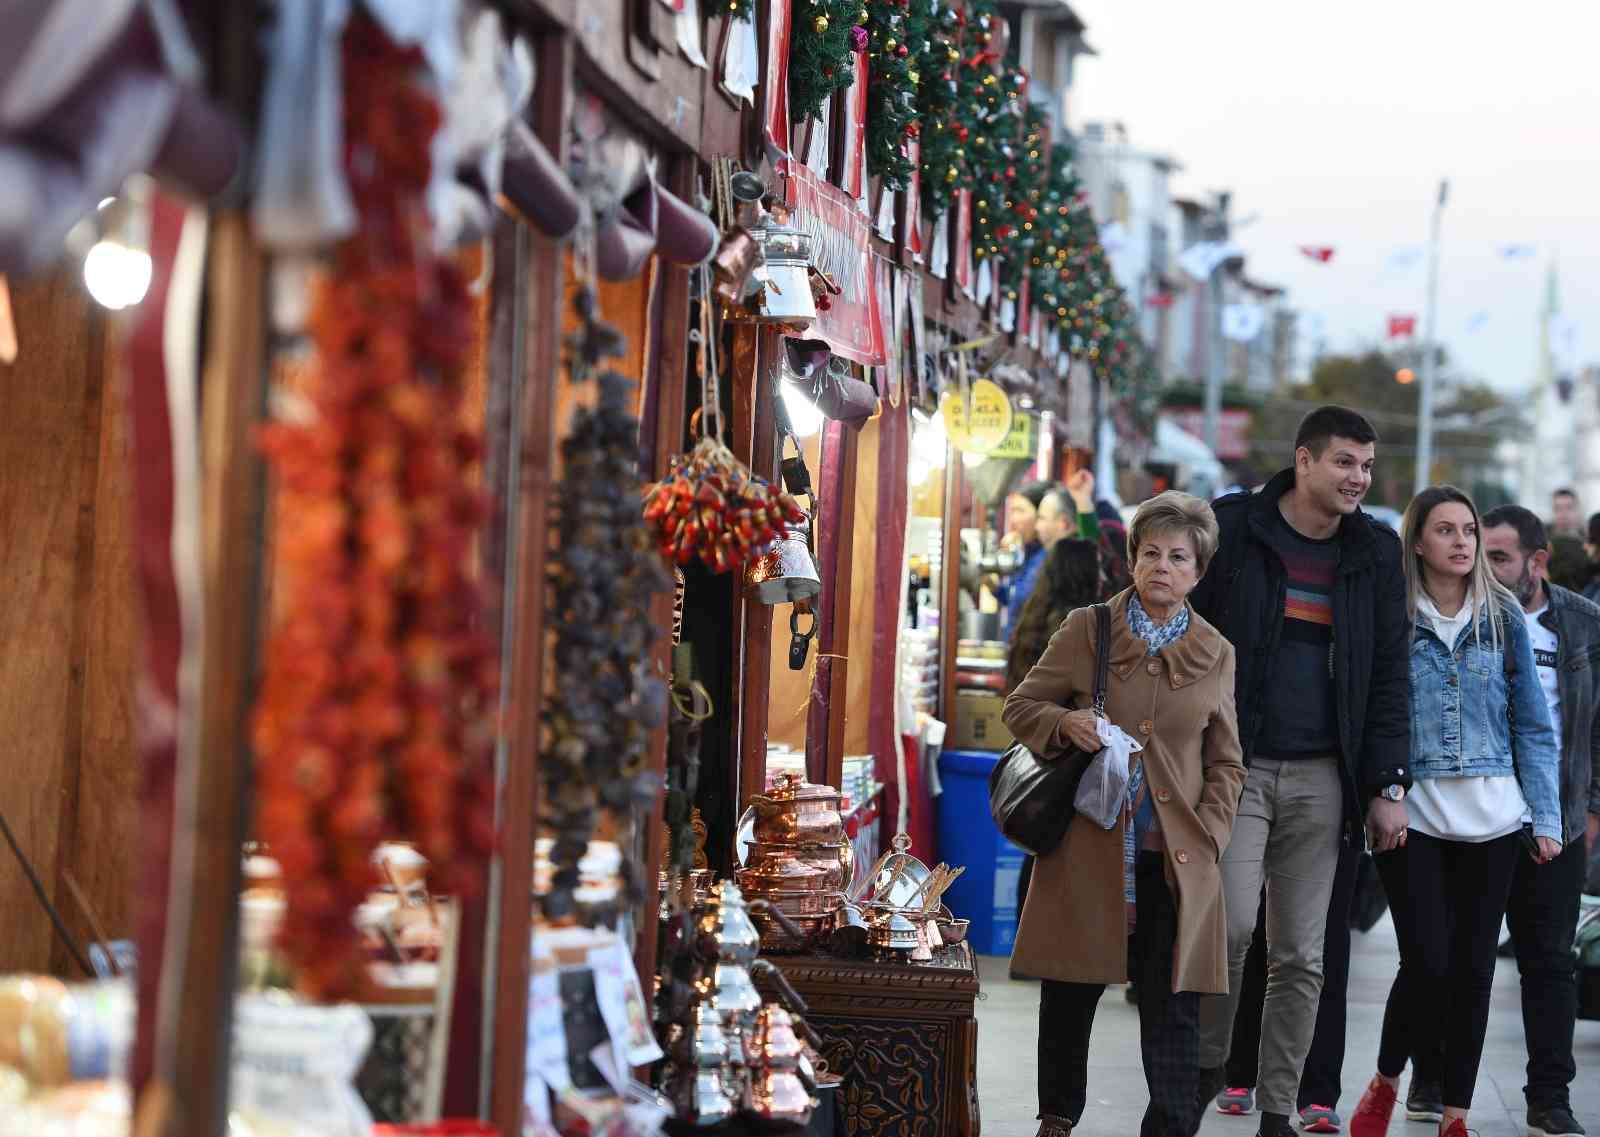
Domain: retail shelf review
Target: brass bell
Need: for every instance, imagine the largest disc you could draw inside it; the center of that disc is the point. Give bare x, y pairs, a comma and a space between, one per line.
786, 572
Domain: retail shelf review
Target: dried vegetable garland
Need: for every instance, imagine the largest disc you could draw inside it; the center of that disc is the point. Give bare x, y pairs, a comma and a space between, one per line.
607, 699
710, 506
376, 716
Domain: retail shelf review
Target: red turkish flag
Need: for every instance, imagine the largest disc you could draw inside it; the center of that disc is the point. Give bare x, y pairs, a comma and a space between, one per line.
1402, 326
1322, 254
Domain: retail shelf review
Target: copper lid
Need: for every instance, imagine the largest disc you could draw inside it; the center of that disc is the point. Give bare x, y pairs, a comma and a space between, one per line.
794, 787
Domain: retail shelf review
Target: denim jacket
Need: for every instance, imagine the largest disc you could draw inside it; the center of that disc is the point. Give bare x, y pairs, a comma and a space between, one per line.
1459, 721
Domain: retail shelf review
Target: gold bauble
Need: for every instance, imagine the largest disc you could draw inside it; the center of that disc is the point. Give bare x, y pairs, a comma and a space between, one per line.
952, 55
990, 80
913, 77
888, 45
819, 25
951, 174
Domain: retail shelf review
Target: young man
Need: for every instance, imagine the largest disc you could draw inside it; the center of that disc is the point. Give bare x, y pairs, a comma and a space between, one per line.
1543, 911
1311, 593
1566, 516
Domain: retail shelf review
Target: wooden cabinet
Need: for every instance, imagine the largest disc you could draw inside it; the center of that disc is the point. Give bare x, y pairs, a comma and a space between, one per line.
903, 1035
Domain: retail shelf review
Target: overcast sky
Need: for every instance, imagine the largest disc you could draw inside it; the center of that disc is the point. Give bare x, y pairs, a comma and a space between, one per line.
1334, 123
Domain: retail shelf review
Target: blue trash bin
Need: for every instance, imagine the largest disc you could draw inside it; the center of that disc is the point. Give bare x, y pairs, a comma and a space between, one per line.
986, 893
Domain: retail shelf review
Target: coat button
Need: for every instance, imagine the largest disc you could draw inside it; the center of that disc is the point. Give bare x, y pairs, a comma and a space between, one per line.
1146, 726
1163, 796
1182, 857
1153, 668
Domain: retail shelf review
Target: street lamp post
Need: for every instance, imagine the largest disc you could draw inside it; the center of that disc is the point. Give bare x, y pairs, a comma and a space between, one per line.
1429, 350
1212, 406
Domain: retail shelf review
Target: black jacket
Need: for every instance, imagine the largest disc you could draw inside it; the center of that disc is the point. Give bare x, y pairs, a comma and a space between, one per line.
1243, 593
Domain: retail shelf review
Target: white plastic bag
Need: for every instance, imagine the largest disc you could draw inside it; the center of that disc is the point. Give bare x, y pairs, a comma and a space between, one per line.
1104, 788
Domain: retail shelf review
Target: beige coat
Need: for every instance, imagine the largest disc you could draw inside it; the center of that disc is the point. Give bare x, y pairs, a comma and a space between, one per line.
1179, 705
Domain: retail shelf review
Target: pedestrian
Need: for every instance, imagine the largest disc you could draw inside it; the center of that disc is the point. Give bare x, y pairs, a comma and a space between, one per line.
1542, 911
1144, 897
1484, 756
1037, 516
1566, 514
1321, 1076
1310, 592
1069, 580
1099, 520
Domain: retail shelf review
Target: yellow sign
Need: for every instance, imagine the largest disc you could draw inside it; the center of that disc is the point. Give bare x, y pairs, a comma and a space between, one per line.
1021, 442
982, 422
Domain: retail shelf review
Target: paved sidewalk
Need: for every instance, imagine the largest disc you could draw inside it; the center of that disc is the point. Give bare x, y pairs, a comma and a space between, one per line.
1007, 1034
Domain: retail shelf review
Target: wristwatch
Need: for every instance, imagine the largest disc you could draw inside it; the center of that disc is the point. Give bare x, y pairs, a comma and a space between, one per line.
1393, 793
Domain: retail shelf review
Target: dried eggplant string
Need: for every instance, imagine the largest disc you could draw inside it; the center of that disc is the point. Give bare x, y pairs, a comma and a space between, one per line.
606, 570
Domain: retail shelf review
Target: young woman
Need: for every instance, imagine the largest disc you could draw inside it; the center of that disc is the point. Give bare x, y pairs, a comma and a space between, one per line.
1484, 765
1069, 580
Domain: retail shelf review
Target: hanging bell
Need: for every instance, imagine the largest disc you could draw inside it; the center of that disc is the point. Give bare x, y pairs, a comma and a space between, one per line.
786, 572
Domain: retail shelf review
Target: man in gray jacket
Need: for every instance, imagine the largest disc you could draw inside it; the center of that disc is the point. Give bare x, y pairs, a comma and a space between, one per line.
1543, 910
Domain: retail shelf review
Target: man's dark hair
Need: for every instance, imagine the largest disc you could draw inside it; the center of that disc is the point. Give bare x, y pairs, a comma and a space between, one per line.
1035, 491
1063, 498
1324, 424
1531, 534
1565, 491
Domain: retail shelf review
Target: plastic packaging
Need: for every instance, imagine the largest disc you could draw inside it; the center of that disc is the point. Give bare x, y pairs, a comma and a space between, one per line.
1104, 789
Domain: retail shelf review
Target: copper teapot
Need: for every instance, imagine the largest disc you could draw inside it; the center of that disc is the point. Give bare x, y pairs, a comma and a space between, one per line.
798, 812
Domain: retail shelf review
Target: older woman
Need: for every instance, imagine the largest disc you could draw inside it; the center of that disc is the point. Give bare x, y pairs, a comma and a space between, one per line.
1145, 897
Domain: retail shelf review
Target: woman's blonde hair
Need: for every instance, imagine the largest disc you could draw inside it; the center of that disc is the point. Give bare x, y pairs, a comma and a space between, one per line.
1483, 590
1171, 511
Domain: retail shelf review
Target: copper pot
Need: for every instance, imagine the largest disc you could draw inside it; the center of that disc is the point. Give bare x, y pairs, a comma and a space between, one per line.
797, 812
779, 1098
781, 872
836, 862
805, 903
773, 1043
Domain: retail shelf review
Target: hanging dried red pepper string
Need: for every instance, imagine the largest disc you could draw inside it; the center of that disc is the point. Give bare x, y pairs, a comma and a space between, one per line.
376, 716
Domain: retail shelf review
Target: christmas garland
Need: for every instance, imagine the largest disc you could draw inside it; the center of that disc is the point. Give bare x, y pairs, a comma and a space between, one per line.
376, 717
824, 39
893, 26
938, 59
1021, 227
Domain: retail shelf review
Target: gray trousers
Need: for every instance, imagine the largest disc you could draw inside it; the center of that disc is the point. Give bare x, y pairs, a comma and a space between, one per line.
1286, 837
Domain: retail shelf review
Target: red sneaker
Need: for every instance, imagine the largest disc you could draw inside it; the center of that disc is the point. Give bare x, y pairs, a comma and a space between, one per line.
1371, 1118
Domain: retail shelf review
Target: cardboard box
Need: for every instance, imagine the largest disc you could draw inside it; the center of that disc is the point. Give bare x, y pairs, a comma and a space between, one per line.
978, 725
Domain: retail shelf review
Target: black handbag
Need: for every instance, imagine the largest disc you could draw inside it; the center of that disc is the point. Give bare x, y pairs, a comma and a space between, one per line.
1030, 798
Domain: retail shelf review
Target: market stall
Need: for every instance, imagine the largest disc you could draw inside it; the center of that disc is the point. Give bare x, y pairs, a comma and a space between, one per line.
546, 531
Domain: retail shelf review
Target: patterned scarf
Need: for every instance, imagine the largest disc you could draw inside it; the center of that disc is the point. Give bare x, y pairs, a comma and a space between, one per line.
1155, 637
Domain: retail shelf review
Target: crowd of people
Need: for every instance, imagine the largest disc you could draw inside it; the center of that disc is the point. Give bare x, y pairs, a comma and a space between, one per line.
1310, 689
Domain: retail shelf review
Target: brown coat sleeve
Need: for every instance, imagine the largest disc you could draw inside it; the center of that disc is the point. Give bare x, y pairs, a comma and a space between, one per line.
1035, 711
1222, 759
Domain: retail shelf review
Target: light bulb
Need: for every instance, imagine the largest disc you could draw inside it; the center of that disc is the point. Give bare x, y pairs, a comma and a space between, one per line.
804, 416
117, 276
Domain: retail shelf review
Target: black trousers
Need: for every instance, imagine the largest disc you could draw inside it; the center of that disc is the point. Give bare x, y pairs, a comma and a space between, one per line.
1542, 913
1447, 899
1319, 1082
1169, 1024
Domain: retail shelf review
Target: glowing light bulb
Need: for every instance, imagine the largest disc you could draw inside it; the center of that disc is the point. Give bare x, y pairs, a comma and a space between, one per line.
117, 276
803, 413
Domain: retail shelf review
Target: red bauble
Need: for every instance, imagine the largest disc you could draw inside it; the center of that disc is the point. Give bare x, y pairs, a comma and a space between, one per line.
902, 51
